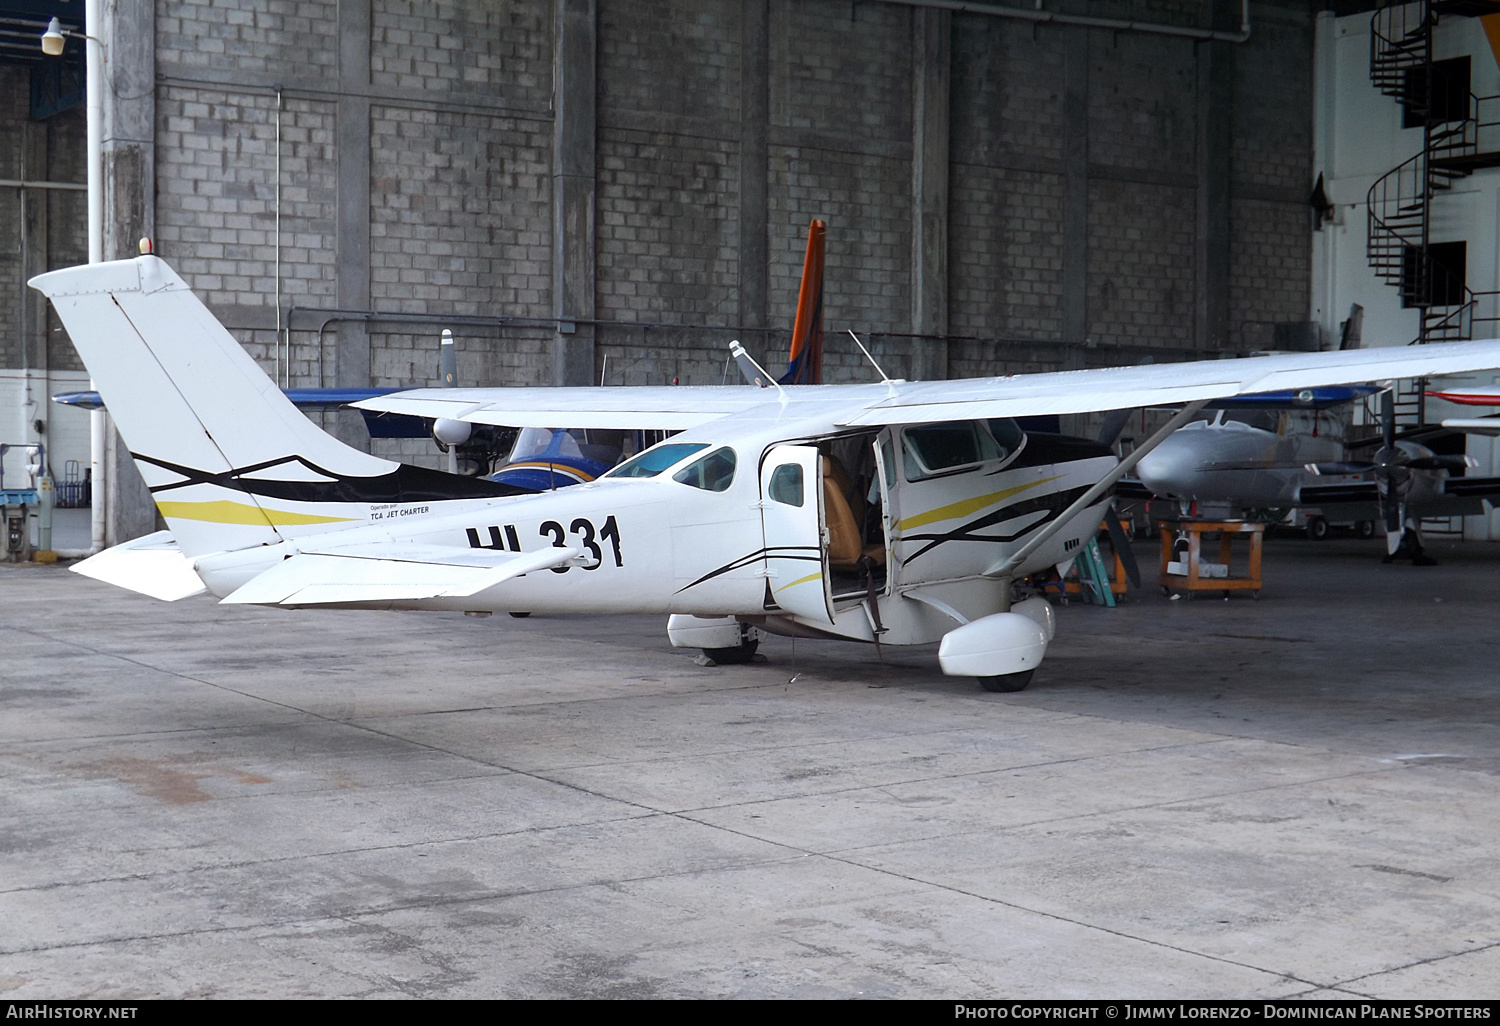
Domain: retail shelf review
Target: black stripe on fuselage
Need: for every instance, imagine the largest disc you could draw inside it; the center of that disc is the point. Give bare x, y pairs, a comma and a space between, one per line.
808, 553
1054, 503
404, 484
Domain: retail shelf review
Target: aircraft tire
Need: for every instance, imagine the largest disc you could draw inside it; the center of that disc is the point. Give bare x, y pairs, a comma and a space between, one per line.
739, 654
1007, 682
1317, 528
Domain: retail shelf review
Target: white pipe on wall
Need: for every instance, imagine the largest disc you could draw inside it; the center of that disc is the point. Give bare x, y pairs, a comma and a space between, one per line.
99, 426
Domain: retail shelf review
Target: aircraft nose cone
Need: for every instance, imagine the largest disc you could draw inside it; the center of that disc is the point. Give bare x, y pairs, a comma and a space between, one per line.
1169, 469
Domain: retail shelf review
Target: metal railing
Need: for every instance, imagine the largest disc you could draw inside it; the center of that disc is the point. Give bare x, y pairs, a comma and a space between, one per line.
1400, 39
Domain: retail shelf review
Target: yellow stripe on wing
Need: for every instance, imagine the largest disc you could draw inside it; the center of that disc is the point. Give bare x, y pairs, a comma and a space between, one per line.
223, 511
954, 510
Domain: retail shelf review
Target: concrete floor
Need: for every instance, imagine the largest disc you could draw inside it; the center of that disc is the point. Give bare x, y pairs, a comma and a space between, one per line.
1295, 796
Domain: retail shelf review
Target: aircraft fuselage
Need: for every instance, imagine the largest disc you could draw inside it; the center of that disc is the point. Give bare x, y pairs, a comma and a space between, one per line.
658, 545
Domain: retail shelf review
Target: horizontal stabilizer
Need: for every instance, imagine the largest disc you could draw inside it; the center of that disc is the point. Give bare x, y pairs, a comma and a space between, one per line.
383, 574
152, 565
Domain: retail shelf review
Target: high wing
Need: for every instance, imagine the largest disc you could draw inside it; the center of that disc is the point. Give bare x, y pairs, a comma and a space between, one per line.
643, 407
1113, 388
1086, 391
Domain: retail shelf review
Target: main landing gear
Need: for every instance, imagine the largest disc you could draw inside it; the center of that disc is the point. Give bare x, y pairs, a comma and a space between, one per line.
1007, 682
739, 654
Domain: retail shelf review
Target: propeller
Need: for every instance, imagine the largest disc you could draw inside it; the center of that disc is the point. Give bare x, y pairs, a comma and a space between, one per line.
1392, 467
1446, 462
1119, 540
1114, 422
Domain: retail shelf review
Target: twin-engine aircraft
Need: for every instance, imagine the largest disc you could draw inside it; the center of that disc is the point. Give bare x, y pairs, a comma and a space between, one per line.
1277, 452
898, 512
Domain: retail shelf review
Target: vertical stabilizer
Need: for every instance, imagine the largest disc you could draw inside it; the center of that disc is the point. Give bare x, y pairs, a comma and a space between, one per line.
806, 364
229, 460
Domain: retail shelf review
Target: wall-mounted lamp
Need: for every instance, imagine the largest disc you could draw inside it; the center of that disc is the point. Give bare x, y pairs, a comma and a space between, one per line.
53, 39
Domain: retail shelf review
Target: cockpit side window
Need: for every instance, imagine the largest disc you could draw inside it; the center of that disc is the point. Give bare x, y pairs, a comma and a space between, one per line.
945, 448
713, 473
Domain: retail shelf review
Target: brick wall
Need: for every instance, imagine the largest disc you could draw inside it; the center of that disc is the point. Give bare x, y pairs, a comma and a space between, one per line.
678, 57
287, 38
1272, 175
461, 191
1142, 107
499, 47
669, 228
1141, 262
460, 213
216, 199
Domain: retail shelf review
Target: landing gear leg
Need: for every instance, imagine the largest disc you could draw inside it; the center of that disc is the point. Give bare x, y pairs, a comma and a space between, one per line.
744, 652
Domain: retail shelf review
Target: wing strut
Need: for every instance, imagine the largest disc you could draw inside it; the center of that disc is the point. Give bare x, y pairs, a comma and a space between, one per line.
1006, 567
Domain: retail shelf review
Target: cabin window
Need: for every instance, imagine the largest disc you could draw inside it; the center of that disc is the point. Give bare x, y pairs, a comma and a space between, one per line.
945, 448
656, 459
786, 484
713, 473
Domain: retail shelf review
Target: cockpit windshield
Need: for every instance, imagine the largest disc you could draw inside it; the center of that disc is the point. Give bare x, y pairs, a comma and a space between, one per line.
1263, 420
535, 441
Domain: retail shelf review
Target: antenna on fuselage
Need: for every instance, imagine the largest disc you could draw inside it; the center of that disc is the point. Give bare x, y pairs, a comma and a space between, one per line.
885, 379
754, 373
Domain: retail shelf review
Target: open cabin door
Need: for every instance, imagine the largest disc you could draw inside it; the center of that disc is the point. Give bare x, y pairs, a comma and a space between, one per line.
792, 517
885, 476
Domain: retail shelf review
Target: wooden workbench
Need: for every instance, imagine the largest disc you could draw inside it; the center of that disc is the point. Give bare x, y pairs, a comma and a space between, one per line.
1227, 530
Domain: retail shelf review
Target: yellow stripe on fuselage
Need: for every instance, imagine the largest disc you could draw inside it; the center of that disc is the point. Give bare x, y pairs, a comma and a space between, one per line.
801, 580
223, 511
954, 510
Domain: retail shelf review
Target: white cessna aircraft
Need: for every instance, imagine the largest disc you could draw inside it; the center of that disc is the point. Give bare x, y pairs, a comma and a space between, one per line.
897, 512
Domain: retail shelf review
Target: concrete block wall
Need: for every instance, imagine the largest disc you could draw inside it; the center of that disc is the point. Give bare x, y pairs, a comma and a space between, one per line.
1271, 177
497, 47
288, 38
1140, 264
216, 199
420, 171
458, 201
840, 150
1008, 181
669, 228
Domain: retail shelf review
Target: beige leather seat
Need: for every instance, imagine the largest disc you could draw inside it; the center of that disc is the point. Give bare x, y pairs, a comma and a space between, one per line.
845, 544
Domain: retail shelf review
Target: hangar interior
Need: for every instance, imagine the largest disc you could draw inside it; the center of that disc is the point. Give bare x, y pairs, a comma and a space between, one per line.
587, 189
610, 191
1288, 798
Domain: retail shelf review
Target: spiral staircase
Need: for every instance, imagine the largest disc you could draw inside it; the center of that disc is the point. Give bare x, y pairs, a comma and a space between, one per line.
1460, 135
